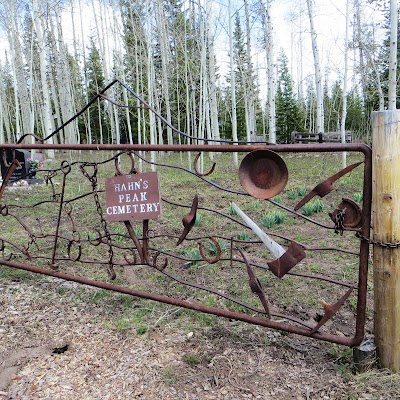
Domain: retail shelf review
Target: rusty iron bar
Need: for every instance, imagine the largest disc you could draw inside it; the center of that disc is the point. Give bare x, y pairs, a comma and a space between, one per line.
145, 247
245, 148
268, 323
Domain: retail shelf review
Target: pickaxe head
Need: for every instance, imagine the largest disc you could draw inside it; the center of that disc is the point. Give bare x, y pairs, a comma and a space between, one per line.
282, 265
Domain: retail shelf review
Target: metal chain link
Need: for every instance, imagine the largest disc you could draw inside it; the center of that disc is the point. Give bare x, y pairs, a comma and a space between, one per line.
93, 180
379, 243
339, 221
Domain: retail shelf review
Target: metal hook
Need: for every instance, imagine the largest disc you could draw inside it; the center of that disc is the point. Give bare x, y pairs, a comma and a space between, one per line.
197, 171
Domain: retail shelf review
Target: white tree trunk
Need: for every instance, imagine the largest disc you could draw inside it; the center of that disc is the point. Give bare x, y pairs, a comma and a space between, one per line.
233, 82
317, 68
393, 55
271, 76
344, 100
39, 21
251, 117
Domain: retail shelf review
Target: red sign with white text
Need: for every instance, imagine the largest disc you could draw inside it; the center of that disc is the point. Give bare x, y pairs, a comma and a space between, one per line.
133, 197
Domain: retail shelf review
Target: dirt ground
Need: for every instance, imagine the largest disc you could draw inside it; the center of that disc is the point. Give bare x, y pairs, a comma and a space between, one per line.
57, 344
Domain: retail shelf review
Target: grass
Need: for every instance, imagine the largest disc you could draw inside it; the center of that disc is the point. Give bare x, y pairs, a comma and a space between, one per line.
312, 207
243, 236
168, 376
191, 359
295, 193
134, 316
226, 276
272, 218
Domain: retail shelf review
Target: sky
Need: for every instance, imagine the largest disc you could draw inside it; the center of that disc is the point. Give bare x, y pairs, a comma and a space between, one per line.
291, 27
290, 30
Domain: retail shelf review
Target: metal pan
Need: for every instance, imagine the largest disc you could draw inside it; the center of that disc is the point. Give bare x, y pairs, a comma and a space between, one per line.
263, 174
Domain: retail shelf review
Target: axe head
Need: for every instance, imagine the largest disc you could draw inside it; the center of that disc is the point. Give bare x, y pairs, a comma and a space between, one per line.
282, 265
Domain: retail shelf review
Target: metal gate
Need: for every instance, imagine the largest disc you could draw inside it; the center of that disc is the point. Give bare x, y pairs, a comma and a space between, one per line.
93, 218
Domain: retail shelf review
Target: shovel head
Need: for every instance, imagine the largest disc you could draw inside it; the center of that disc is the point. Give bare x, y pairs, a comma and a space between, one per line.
282, 265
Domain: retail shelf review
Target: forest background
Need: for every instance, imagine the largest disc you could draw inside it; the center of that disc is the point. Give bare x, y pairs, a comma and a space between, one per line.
212, 69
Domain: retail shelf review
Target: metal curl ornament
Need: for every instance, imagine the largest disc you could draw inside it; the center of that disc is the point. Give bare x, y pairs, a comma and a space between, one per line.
129, 262
154, 262
97, 241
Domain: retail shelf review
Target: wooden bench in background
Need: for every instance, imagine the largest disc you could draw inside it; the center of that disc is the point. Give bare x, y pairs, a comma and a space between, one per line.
330, 137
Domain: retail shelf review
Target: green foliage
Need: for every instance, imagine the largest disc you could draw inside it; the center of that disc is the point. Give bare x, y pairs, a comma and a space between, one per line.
198, 219
191, 359
357, 197
294, 193
243, 236
272, 218
168, 376
194, 254
278, 199
313, 206
142, 329
232, 211
212, 248
288, 115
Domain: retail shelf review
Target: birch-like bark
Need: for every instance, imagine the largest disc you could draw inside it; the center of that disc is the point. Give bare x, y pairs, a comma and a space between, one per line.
250, 114
214, 129
317, 69
233, 82
393, 55
344, 100
271, 75
151, 82
163, 36
39, 21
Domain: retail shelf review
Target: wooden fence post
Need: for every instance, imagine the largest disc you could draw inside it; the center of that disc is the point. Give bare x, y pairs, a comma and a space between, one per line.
386, 229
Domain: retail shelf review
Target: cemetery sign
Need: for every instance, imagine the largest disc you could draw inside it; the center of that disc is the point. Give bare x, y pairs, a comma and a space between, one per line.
133, 197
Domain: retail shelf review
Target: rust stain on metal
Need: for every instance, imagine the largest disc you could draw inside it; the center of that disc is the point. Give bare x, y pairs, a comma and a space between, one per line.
351, 213
263, 174
65, 241
189, 220
293, 255
325, 187
330, 310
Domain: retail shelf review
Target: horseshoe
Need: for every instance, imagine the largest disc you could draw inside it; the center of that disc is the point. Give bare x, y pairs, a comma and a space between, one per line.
77, 258
208, 259
197, 171
118, 169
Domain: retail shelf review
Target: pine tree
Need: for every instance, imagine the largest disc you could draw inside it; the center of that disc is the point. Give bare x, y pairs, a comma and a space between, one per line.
96, 82
288, 117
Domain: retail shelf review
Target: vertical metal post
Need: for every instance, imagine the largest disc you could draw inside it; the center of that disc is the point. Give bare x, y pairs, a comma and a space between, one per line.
386, 229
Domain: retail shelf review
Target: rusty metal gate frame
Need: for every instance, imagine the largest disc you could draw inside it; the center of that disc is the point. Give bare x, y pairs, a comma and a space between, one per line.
260, 318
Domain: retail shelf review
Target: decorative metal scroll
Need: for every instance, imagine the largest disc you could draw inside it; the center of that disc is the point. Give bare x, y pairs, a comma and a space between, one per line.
199, 254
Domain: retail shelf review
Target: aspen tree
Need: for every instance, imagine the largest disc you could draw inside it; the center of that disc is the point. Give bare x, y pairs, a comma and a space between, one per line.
233, 82
38, 16
271, 68
317, 70
392, 92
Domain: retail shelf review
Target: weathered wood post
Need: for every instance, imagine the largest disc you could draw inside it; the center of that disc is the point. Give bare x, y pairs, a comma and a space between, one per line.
386, 229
